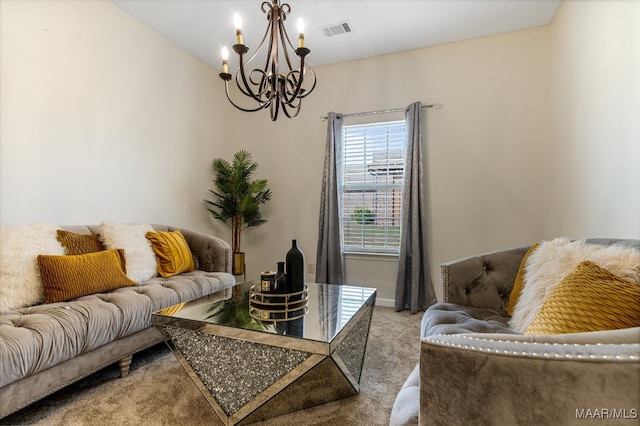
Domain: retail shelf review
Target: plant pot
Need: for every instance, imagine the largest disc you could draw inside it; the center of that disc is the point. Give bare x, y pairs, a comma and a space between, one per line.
237, 266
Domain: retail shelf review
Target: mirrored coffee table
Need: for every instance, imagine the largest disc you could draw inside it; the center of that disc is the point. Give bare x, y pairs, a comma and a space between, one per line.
254, 360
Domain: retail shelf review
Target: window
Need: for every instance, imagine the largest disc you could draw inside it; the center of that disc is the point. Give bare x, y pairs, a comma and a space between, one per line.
372, 172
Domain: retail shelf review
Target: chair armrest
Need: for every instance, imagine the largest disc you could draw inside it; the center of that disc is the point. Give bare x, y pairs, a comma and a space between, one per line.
512, 379
482, 281
212, 254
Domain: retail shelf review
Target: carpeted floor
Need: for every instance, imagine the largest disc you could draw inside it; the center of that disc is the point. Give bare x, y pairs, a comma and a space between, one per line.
157, 391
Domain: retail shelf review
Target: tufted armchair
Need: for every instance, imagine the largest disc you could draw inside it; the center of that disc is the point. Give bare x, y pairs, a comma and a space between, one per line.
474, 369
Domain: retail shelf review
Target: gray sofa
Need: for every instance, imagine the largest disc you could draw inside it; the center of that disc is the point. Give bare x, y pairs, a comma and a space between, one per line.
49, 346
474, 369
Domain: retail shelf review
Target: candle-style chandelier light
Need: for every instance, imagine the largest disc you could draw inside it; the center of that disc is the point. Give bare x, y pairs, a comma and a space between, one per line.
270, 86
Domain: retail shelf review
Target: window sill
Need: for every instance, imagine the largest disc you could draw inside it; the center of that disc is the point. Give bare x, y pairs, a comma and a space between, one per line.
382, 257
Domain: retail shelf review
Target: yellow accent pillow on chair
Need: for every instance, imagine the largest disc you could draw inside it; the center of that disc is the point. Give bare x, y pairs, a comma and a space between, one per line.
173, 254
67, 277
588, 299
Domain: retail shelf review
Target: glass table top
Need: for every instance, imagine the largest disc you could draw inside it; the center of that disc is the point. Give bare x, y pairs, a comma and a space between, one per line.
327, 309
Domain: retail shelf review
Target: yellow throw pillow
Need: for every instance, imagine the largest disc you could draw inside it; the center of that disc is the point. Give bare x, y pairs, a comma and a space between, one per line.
588, 299
67, 277
518, 284
173, 255
75, 243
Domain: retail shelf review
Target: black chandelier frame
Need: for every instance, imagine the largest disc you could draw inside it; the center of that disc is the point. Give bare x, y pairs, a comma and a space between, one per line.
267, 86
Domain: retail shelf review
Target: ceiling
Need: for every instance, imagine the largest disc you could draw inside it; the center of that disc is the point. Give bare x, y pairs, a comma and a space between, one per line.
379, 27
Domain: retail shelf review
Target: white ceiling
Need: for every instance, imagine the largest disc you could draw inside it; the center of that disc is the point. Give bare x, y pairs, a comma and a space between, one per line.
379, 26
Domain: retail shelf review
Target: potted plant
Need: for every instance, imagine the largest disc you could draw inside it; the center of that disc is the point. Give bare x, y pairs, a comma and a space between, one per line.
237, 199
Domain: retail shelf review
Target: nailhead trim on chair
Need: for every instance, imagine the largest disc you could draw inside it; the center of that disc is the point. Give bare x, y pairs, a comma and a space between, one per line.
445, 284
435, 340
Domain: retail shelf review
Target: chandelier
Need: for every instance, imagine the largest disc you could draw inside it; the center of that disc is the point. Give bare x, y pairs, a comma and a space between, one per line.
277, 85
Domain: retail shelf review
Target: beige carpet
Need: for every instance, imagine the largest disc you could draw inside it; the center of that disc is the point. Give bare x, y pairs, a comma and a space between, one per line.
158, 391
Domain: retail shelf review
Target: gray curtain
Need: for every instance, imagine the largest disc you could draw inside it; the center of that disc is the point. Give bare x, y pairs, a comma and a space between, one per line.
329, 264
414, 288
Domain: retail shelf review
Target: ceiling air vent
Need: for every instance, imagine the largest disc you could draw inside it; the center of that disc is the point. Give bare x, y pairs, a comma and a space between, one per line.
335, 29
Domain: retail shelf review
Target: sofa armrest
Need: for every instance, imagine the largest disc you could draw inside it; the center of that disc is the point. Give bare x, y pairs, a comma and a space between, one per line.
507, 379
482, 281
212, 254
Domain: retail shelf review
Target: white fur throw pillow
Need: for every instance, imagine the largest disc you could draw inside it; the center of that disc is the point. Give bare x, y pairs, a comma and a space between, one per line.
553, 260
20, 283
141, 261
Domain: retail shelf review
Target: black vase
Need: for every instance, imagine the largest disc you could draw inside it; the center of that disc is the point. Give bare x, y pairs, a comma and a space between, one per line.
281, 279
295, 269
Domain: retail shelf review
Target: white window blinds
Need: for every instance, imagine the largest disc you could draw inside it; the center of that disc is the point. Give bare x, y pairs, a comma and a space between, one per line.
371, 187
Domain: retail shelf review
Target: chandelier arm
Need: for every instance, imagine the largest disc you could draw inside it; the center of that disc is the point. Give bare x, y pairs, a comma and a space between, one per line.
264, 37
284, 39
272, 54
274, 107
269, 31
263, 86
264, 93
296, 110
295, 102
226, 89
245, 87
243, 84
290, 104
290, 86
297, 82
313, 86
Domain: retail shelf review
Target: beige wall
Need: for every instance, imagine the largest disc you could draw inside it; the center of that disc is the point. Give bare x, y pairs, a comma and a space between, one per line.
102, 118
537, 138
593, 156
484, 150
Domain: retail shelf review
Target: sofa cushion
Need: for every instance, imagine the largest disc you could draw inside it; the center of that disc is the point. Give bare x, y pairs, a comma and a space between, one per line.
20, 283
141, 261
75, 243
71, 276
449, 318
589, 299
39, 337
173, 255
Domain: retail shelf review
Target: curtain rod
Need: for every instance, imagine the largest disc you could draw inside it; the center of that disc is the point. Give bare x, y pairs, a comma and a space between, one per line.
384, 111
